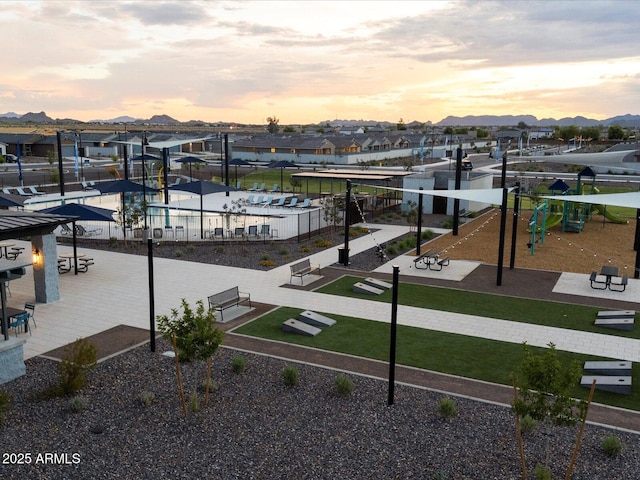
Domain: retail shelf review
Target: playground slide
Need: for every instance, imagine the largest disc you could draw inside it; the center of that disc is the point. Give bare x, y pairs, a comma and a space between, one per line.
552, 220
608, 215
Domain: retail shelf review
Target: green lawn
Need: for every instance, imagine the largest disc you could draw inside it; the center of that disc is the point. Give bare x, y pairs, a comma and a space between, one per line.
538, 312
471, 357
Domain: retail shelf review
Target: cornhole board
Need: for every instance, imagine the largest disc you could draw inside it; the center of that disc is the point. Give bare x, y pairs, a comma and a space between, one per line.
360, 287
616, 314
614, 384
374, 282
622, 368
619, 323
315, 319
300, 328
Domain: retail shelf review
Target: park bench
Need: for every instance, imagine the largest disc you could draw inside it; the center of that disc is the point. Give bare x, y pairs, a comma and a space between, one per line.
228, 298
303, 268
437, 265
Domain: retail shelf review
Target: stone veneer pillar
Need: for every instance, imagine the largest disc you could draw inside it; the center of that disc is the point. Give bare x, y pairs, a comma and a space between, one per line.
11, 359
45, 274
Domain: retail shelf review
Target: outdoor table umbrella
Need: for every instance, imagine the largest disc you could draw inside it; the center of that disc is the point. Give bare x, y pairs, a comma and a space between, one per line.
78, 211
202, 187
123, 186
282, 164
190, 160
238, 162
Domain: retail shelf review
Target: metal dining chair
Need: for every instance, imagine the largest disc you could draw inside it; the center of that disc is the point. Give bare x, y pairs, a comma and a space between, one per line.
18, 321
30, 308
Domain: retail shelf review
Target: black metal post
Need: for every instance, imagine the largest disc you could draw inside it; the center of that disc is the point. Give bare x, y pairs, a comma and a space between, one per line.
165, 174
503, 222
514, 227
126, 160
75, 248
347, 221
226, 160
636, 246
419, 238
144, 181
456, 201
60, 168
80, 153
392, 336
152, 308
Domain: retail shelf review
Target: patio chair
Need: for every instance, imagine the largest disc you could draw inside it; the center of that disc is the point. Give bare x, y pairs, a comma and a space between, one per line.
239, 232
293, 202
19, 321
86, 232
275, 188
86, 186
253, 231
179, 231
264, 231
279, 202
30, 308
66, 230
258, 201
262, 188
218, 232
22, 192
238, 185
168, 230
157, 233
6, 191
305, 203
267, 201
34, 191
254, 188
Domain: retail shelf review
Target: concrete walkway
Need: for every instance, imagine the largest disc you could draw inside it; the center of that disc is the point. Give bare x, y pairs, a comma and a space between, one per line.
116, 291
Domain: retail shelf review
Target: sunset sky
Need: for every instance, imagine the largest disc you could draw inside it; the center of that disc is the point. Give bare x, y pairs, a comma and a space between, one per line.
306, 62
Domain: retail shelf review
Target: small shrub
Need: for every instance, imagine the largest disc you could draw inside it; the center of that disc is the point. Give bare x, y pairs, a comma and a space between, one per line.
194, 402
265, 257
392, 250
290, 376
528, 424
448, 223
267, 263
146, 398
78, 404
113, 241
78, 359
543, 472
322, 243
305, 249
5, 399
427, 234
178, 253
344, 386
220, 250
238, 364
611, 445
447, 408
283, 251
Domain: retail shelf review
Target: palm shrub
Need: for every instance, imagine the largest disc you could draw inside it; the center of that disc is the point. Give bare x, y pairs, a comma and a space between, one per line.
447, 408
238, 364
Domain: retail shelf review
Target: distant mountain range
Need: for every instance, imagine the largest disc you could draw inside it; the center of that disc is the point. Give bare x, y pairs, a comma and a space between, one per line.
625, 121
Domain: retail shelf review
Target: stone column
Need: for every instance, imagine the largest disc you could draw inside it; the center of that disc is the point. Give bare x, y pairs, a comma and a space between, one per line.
45, 273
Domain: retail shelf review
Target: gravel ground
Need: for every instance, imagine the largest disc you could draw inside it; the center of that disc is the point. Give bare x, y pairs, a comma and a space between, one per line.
256, 427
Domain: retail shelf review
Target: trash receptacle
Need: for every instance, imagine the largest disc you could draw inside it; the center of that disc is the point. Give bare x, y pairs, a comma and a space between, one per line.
343, 255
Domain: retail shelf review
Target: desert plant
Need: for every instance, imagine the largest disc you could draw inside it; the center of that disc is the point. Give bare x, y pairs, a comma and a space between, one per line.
78, 403
178, 253
283, 251
344, 386
146, 398
238, 364
290, 376
267, 263
611, 445
447, 408
528, 424
305, 249
77, 360
392, 250
543, 472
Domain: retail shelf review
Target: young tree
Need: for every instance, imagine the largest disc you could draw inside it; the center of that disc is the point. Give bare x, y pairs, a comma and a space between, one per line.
194, 335
543, 391
615, 132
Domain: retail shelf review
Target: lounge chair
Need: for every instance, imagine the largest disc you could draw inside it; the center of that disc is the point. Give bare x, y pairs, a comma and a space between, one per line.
292, 203
267, 201
279, 202
86, 186
254, 188
262, 188
258, 201
34, 191
66, 230
305, 203
86, 232
22, 192
275, 188
6, 191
